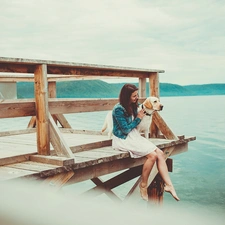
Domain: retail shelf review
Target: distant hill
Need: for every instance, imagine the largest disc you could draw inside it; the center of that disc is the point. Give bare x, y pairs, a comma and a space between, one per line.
101, 89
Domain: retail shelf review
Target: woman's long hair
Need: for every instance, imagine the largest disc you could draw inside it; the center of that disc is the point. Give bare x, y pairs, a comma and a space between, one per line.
124, 98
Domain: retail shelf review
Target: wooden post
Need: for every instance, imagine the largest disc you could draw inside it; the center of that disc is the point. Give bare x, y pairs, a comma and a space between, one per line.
156, 189
154, 84
154, 91
142, 87
52, 94
42, 118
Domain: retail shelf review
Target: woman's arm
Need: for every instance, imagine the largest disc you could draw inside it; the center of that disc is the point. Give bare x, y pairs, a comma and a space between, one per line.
119, 115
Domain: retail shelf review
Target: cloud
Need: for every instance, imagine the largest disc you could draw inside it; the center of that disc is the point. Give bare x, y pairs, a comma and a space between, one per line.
185, 38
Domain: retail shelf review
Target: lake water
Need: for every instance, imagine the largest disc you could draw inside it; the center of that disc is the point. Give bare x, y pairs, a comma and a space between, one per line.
198, 174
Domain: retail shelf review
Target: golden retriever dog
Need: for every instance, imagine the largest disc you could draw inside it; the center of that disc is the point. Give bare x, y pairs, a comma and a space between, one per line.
150, 105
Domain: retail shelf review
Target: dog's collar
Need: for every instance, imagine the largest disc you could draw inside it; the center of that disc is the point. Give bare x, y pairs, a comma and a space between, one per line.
147, 114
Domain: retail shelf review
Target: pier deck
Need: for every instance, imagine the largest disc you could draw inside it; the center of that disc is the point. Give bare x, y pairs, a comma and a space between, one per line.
90, 149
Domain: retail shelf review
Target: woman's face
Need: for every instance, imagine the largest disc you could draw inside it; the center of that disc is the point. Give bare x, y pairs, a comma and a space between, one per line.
134, 97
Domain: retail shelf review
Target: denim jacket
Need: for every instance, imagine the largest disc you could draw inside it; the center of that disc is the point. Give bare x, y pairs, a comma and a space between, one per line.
122, 122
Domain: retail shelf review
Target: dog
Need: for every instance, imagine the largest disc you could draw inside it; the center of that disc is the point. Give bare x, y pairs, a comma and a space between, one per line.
150, 105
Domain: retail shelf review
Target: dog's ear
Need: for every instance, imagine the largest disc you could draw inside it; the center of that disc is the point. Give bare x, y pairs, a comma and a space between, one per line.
147, 104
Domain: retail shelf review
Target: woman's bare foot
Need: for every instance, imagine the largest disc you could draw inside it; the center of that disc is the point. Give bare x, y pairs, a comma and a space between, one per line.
171, 190
144, 192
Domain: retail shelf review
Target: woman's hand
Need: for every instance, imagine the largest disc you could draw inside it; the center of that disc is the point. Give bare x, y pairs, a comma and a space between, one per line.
141, 114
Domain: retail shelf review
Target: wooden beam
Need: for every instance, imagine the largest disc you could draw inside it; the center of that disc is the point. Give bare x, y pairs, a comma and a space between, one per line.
41, 98
54, 160
57, 140
17, 108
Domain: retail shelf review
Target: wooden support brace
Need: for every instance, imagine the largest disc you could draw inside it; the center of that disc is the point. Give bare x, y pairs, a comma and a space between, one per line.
57, 140
163, 127
57, 181
62, 120
32, 122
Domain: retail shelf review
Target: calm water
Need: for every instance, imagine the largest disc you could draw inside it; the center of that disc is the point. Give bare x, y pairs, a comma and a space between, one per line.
199, 174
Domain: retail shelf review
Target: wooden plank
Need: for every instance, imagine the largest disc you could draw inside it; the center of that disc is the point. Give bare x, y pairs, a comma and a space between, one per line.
54, 160
42, 120
58, 141
26, 107
14, 159
7, 173
16, 132
17, 108
86, 147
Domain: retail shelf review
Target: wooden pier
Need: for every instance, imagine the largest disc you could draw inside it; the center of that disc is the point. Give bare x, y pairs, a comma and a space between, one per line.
51, 151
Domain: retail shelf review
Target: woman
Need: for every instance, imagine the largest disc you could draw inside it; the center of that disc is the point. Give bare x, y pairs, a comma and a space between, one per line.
126, 138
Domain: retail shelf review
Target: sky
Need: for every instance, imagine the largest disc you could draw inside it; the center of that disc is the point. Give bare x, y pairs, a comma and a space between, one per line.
186, 38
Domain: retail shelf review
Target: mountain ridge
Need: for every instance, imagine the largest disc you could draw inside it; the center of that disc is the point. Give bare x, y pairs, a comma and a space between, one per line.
102, 89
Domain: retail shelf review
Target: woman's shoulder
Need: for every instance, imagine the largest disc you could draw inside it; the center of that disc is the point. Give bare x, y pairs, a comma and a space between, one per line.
118, 106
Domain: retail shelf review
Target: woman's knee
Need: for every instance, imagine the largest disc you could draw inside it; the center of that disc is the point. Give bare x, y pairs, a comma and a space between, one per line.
152, 156
159, 153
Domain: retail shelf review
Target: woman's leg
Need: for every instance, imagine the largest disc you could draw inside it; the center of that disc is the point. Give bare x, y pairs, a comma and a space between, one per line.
147, 167
163, 170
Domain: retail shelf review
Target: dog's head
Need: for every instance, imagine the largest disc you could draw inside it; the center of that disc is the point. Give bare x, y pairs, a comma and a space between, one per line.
153, 103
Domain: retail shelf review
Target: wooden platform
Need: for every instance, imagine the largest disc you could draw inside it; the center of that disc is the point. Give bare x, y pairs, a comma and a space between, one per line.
65, 156
92, 153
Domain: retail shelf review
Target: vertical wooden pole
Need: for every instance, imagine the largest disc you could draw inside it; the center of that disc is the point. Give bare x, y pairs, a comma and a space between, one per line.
156, 189
142, 87
52, 94
154, 91
154, 84
42, 118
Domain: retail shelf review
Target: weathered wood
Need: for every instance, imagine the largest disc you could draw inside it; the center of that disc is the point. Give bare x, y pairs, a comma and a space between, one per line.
93, 145
154, 84
41, 98
17, 108
13, 159
26, 107
54, 160
58, 141
17, 132
20, 65
154, 91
